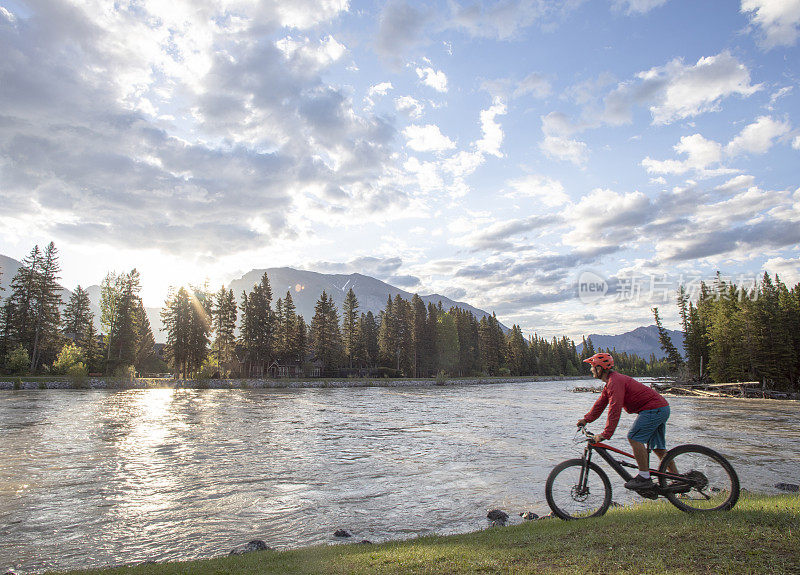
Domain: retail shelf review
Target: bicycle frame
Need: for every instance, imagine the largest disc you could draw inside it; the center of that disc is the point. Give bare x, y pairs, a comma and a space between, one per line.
602, 449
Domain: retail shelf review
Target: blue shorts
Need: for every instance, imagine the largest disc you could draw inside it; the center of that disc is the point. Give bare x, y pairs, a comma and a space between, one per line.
650, 427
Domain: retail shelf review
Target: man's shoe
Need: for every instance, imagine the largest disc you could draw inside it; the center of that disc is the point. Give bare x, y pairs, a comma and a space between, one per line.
639, 482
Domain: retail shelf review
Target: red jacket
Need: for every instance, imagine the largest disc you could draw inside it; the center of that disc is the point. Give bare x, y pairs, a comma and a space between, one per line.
623, 391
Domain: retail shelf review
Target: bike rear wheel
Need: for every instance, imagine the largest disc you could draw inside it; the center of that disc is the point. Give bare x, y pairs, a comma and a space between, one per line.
714, 483
571, 499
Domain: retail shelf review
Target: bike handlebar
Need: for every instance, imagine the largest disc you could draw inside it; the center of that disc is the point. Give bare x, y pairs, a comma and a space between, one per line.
586, 433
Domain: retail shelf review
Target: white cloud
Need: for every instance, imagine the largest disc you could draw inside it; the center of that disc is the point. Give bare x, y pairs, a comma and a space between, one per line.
549, 191
737, 184
534, 84
701, 153
796, 143
409, 105
557, 143
778, 20
428, 138
492, 131
432, 78
565, 149
380, 89
757, 138
314, 55
638, 6
306, 14
605, 218
677, 91
788, 269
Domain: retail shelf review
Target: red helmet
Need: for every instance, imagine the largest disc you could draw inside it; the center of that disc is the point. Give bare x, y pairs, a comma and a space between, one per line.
603, 360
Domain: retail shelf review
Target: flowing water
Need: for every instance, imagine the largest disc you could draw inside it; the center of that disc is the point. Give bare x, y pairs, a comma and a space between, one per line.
92, 478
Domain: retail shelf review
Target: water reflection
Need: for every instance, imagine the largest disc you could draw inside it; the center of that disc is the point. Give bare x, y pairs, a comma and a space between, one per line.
90, 478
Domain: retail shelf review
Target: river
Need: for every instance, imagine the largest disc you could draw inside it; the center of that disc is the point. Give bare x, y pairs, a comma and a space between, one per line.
93, 478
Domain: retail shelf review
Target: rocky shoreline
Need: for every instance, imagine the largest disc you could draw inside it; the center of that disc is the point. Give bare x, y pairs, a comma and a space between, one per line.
21, 383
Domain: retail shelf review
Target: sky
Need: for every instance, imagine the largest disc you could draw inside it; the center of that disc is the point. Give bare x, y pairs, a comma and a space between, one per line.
565, 164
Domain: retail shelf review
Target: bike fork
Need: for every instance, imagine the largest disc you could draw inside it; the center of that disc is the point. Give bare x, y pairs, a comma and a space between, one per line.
584, 477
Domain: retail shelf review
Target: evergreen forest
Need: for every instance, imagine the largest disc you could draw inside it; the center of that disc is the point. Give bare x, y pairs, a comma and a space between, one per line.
736, 333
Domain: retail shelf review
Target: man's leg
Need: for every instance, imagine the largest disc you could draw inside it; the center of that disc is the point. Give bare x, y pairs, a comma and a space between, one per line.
671, 467
641, 455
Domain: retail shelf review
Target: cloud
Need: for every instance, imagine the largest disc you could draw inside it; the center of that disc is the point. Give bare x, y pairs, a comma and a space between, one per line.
796, 143
401, 27
758, 137
677, 91
558, 144
492, 131
737, 184
638, 6
403, 281
427, 138
380, 89
409, 105
550, 192
87, 149
788, 269
565, 149
701, 153
535, 85
367, 265
435, 79
778, 21
498, 236
606, 219
504, 20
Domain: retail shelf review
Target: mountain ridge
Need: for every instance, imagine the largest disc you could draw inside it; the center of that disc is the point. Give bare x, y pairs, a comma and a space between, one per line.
641, 341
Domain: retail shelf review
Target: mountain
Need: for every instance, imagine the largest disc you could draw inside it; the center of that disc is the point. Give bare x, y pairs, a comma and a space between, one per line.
8, 269
306, 287
642, 341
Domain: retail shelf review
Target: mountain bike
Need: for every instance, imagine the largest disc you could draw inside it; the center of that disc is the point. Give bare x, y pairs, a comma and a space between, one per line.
705, 480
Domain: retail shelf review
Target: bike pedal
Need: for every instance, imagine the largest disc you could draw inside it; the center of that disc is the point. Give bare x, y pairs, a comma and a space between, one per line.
648, 493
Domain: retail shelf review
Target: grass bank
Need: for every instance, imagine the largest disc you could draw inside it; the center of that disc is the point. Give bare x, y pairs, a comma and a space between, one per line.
761, 535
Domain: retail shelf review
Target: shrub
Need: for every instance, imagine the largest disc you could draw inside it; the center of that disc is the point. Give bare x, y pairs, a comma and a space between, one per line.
504, 372
79, 374
441, 377
69, 356
18, 360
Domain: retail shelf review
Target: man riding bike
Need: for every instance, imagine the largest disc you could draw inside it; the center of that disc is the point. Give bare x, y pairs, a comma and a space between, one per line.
649, 429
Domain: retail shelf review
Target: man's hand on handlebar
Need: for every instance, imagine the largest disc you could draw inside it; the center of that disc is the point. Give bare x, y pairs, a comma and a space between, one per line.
595, 438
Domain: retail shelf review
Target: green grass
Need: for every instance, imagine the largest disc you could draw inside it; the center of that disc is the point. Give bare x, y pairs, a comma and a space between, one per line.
760, 535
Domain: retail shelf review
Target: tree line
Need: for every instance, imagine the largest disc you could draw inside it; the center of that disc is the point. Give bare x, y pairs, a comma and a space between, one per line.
217, 334
406, 339
740, 333
42, 333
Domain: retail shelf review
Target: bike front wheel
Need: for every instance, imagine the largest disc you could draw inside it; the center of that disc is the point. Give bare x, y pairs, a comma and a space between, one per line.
708, 483
573, 495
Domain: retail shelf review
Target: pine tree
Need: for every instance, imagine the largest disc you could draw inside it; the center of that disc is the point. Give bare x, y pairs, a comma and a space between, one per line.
144, 350
177, 319
326, 338
110, 292
669, 348
125, 338
77, 314
258, 325
224, 315
35, 302
369, 336
350, 326
447, 343
517, 351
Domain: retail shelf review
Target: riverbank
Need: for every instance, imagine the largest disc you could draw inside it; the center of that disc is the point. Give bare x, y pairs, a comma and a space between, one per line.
759, 535
27, 382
